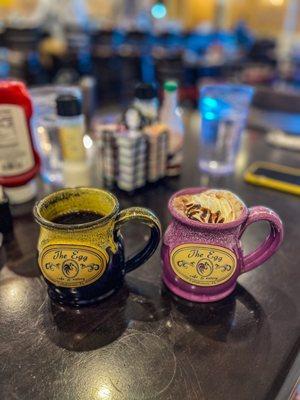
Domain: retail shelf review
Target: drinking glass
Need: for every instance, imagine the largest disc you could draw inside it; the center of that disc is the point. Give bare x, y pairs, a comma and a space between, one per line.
45, 129
224, 110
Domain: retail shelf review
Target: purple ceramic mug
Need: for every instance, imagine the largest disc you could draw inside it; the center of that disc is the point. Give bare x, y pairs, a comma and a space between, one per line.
202, 261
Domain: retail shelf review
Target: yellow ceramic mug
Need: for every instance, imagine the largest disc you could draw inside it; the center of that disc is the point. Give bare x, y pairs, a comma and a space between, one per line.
83, 261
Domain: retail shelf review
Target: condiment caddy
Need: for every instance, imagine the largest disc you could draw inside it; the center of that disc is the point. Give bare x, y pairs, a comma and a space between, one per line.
142, 148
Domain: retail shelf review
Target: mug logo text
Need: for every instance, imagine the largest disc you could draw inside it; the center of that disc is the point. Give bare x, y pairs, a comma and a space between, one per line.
72, 266
203, 265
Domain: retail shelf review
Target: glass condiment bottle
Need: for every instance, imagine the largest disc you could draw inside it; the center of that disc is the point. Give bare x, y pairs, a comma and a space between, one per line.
71, 131
170, 115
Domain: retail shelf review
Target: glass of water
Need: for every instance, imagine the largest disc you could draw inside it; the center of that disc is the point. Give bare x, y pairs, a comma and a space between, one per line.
224, 110
45, 130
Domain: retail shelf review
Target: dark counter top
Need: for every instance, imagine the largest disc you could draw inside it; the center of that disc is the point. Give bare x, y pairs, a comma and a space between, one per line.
143, 343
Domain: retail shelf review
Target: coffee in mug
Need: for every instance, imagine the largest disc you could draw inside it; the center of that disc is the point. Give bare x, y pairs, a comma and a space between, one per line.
80, 248
202, 254
210, 206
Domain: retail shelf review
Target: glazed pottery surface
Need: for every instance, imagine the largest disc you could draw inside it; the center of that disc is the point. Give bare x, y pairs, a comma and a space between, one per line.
202, 261
84, 263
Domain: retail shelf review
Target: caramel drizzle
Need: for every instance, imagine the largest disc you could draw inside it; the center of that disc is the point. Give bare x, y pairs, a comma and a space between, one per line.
198, 213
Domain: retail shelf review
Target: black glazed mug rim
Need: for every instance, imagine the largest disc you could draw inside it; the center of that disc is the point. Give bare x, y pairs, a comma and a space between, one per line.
79, 226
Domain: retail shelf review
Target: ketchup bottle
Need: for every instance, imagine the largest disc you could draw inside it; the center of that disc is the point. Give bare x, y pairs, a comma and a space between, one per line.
19, 162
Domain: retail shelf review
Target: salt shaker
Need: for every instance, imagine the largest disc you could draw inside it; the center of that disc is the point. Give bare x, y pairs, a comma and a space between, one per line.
157, 151
131, 152
107, 151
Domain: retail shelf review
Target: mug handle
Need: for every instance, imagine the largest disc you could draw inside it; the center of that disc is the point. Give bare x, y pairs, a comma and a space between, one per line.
268, 247
148, 218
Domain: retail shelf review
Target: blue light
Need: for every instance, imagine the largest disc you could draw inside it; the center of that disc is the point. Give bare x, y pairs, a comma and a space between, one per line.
210, 102
158, 11
209, 115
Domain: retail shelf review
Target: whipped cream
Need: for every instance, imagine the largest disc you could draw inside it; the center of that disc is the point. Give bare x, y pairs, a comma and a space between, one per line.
210, 206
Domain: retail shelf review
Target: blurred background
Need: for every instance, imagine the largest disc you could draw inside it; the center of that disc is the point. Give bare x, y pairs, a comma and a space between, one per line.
120, 42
